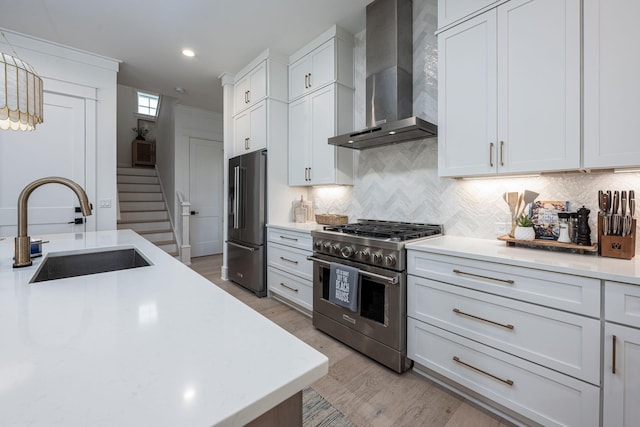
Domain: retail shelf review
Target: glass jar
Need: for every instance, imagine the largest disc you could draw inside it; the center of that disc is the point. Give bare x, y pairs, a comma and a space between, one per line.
563, 227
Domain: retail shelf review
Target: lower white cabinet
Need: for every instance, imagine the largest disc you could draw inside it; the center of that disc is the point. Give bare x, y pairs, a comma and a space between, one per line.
289, 273
622, 355
537, 393
526, 340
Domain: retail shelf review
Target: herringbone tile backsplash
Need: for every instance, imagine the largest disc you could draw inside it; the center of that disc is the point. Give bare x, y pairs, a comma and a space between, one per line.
400, 182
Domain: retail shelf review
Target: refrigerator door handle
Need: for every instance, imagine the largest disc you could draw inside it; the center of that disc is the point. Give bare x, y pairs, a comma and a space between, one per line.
250, 249
236, 199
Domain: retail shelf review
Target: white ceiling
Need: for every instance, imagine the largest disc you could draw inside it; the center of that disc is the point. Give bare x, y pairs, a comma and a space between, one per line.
148, 36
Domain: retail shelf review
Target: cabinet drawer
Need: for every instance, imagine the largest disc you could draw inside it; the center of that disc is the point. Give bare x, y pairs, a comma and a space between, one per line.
290, 287
535, 392
557, 290
291, 260
290, 238
622, 303
562, 341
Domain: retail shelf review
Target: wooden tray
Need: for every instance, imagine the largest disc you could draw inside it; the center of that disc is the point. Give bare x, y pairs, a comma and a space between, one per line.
510, 241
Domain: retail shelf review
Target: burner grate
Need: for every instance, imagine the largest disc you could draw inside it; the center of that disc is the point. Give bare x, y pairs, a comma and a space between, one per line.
394, 231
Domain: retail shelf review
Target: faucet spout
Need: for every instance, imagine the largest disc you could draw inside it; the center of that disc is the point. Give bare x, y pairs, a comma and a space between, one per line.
23, 241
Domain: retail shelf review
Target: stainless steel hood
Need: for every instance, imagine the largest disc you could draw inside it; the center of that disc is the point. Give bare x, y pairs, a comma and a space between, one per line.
389, 84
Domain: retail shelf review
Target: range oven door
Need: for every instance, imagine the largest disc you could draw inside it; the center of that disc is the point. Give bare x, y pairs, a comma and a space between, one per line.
382, 303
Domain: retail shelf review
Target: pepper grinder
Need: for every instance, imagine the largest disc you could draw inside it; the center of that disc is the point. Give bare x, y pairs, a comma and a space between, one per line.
584, 231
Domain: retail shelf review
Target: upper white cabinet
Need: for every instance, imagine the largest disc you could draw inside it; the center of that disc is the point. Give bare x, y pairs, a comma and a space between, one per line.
509, 90
250, 88
321, 106
611, 83
450, 11
259, 103
327, 59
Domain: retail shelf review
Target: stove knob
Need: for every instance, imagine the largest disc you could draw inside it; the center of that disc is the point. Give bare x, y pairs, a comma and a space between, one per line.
347, 251
377, 257
363, 255
336, 248
327, 246
318, 245
390, 260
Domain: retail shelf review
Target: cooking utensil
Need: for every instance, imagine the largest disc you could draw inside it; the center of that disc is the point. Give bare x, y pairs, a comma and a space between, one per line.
600, 201
610, 204
512, 201
623, 202
632, 207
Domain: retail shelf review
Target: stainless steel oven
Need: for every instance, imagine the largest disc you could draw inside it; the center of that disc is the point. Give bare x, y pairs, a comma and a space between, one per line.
378, 328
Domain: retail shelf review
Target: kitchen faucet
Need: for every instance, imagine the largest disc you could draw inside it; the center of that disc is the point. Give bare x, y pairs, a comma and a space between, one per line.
23, 241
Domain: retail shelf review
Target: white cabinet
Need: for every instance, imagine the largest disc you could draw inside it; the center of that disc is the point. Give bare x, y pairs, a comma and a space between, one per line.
250, 129
321, 106
511, 334
289, 273
611, 83
250, 88
312, 120
622, 355
509, 90
313, 70
450, 11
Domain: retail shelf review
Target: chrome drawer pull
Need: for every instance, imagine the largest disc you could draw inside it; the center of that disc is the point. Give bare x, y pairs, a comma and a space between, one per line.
509, 281
288, 238
288, 287
502, 325
289, 260
457, 360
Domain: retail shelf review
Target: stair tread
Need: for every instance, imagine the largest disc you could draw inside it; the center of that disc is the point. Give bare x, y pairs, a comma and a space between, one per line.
165, 230
142, 221
165, 242
142, 210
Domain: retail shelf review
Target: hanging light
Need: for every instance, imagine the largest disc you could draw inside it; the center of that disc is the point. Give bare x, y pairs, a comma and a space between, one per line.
20, 94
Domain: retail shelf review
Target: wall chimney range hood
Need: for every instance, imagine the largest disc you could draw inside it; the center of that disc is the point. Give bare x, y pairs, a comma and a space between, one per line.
389, 84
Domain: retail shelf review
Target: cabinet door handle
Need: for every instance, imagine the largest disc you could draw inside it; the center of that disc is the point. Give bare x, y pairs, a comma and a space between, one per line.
509, 281
288, 238
309, 79
289, 260
501, 153
457, 360
246, 143
288, 287
502, 325
306, 81
491, 154
246, 96
309, 174
613, 365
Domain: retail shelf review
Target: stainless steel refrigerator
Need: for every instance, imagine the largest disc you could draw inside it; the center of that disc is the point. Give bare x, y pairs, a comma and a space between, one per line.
246, 244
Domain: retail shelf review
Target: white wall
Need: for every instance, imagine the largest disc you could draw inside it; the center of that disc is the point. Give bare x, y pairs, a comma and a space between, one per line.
64, 65
127, 104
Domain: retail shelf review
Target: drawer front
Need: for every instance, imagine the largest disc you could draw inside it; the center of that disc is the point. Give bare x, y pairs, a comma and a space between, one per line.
291, 260
290, 287
576, 294
622, 303
537, 393
290, 238
562, 341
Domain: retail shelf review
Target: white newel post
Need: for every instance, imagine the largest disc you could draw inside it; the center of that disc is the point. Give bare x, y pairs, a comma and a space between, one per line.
185, 246
227, 81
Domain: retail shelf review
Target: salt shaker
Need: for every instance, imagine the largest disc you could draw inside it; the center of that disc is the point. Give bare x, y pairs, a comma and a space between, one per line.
563, 225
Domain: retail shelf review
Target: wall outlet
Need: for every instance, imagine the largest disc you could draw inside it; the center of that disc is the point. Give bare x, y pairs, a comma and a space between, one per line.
106, 203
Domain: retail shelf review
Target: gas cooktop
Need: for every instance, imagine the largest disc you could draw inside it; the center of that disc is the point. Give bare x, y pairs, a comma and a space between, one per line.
387, 230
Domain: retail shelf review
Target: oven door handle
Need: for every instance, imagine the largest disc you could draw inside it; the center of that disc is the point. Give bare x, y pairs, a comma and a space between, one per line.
392, 280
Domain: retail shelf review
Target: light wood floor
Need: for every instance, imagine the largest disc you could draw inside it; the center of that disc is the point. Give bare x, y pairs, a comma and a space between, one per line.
365, 391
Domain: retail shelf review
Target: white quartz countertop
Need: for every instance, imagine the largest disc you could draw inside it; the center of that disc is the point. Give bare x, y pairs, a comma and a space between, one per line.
297, 226
157, 345
496, 251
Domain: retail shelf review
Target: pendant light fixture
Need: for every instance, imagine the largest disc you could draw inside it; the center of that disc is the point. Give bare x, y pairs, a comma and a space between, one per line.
20, 93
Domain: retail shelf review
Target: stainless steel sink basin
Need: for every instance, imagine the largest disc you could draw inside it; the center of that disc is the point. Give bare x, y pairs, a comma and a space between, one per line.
71, 264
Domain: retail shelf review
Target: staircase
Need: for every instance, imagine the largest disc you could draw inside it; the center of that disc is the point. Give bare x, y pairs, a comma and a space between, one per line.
142, 207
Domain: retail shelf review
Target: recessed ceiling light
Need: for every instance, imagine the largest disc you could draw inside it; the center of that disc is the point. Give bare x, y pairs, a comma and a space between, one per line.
180, 89
188, 52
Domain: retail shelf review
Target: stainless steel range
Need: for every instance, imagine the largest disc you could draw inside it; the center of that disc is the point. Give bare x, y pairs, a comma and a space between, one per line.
376, 249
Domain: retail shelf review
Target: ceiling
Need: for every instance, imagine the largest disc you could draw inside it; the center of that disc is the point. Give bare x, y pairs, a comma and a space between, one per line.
148, 38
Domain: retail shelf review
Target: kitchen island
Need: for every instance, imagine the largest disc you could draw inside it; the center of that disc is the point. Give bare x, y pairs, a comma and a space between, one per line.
155, 345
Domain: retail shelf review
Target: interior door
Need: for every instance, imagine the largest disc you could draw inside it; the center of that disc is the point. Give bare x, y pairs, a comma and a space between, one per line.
206, 162
55, 148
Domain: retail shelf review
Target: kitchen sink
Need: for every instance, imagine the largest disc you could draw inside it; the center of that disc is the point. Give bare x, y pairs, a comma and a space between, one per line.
60, 265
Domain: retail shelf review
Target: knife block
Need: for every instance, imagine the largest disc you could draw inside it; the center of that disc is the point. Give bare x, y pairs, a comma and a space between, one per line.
617, 246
